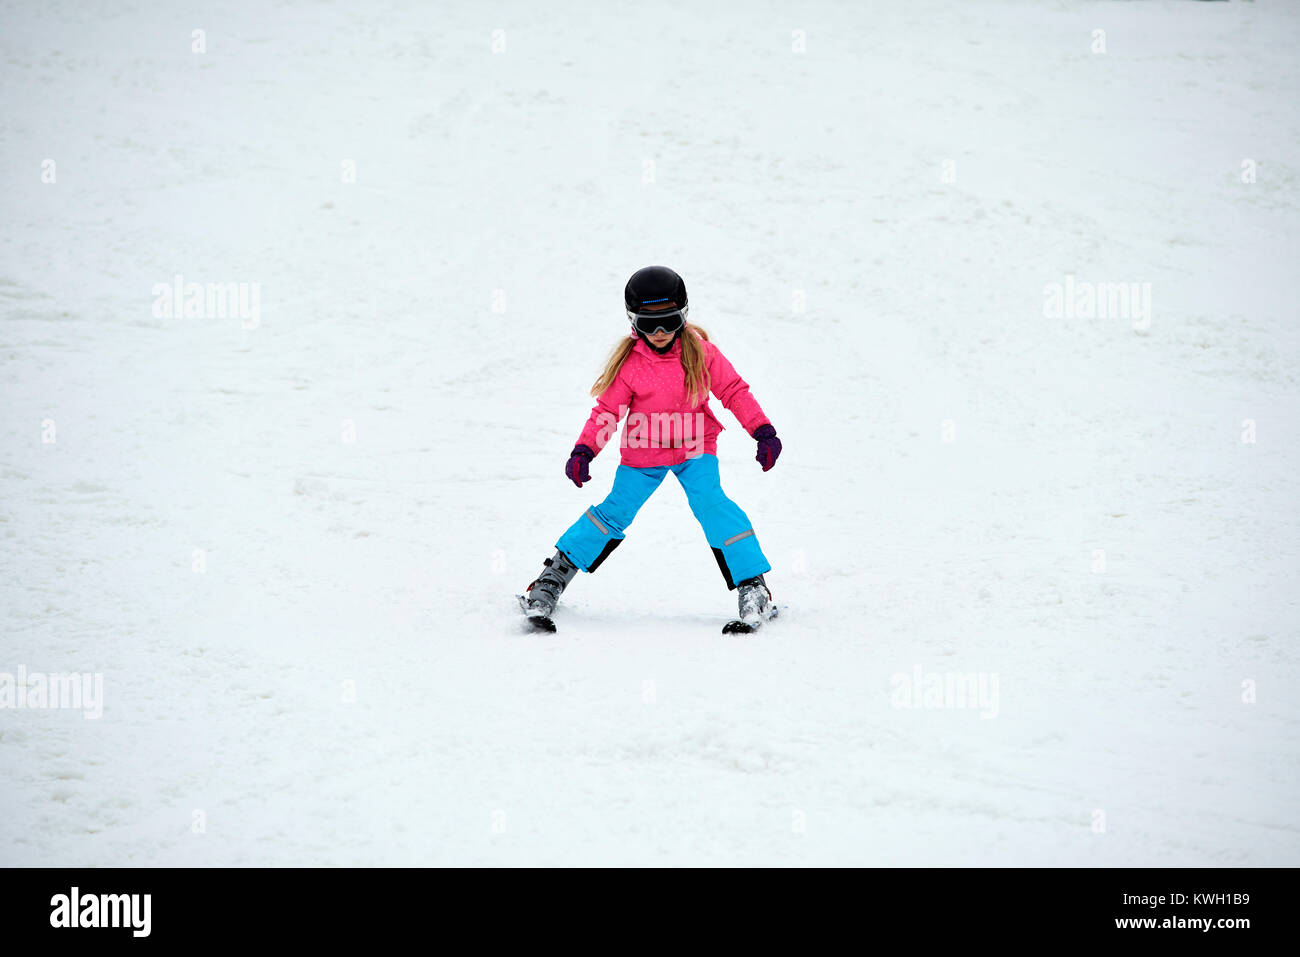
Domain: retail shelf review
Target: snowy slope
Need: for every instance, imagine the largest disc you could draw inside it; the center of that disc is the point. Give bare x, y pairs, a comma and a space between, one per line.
309, 645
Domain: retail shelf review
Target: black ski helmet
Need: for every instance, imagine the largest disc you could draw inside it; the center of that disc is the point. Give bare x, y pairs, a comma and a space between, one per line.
654, 284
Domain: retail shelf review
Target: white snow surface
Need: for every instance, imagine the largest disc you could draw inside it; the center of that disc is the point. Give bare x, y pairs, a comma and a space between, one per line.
310, 648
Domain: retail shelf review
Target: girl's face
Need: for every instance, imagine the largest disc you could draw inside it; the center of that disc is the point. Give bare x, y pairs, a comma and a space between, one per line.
660, 339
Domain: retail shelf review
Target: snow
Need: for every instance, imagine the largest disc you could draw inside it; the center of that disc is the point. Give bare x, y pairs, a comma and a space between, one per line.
310, 649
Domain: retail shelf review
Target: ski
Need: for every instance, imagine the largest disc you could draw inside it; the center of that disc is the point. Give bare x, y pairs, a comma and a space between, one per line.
747, 626
736, 626
536, 622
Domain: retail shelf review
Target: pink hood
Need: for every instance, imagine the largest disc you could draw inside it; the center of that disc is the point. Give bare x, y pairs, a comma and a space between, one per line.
663, 428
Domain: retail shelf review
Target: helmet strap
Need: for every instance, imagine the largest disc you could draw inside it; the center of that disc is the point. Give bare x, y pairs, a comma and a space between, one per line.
671, 342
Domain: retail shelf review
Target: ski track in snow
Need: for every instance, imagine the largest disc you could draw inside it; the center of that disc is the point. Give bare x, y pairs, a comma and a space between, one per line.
347, 679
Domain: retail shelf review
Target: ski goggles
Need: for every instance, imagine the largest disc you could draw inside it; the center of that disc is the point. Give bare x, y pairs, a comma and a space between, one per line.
666, 320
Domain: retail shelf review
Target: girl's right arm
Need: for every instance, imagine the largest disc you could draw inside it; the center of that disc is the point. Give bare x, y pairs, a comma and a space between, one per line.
611, 405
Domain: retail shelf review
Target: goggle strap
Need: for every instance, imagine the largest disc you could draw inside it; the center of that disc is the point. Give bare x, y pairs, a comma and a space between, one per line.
634, 316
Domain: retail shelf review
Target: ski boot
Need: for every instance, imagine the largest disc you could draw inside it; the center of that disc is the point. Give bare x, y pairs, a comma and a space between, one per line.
540, 598
756, 606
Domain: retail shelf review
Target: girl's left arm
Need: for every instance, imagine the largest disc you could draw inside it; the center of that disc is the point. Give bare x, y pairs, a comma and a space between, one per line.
733, 392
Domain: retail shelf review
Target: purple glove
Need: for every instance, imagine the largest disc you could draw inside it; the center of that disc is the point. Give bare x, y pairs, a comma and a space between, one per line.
769, 446
576, 468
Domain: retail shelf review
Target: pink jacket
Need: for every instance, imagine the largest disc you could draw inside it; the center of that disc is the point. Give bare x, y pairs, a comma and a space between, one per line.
663, 428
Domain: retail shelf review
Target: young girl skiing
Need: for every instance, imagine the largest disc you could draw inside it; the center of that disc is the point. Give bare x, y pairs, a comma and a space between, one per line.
660, 377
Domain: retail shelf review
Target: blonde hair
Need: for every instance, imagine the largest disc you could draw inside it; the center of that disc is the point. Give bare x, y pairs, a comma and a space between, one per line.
694, 364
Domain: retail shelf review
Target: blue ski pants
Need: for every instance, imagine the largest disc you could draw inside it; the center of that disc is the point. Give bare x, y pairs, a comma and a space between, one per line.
727, 529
